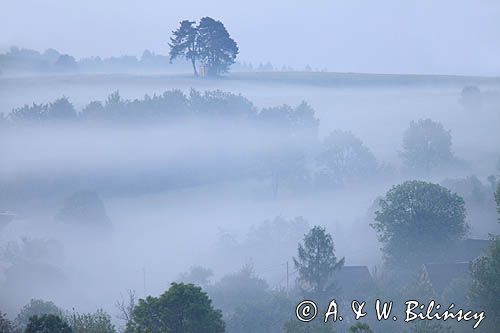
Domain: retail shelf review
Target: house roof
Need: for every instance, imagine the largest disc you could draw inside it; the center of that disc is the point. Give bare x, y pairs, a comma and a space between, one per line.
441, 274
353, 278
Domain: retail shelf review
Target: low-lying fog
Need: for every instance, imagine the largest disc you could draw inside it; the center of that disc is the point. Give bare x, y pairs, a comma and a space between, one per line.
197, 193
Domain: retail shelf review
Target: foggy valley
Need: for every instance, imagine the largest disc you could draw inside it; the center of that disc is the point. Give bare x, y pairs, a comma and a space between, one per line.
119, 177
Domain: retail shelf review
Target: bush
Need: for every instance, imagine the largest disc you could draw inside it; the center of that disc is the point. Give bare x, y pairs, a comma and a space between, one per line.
36, 307
7, 326
47, 323
98, 322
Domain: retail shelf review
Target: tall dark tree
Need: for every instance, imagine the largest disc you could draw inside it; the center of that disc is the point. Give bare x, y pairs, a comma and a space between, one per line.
7, 326
317, 262
184, 43
418, 221
217, 49
47, 323
486, 283
184, 308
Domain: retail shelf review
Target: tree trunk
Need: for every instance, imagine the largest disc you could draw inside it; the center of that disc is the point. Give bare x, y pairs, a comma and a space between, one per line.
194, 67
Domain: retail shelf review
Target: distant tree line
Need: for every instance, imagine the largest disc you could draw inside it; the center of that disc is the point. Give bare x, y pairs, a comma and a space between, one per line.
294, 158
44, 316
26, 61
19, 60
172, 105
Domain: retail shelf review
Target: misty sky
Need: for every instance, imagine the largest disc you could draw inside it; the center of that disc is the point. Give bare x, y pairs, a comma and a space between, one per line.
385, 36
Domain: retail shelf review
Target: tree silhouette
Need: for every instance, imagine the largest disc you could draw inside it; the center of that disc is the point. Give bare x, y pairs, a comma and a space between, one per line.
426, 145
217, 49
182, 308
316, 261
209, 42
184, 43
47, 323
417, 221
486, 282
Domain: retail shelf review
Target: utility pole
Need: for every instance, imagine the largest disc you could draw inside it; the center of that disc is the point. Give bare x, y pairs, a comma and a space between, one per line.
287, 277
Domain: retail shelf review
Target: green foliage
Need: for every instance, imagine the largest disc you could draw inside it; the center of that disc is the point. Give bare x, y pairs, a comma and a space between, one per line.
426, 146
297, 123
486, 282
34, 251
470, 188
98, 322
417, 221
36, 307
184, 308
457, 292
266, 315
471, 98
360, 327
29, 114
420, 288
344, 159
47, 323
65, 63
59, 110
197, 275
218, 103
316, 261
184, 43
217, 49
315, 326
84, 208
208, 42
429, 327
273, 240
233, 290
7, 326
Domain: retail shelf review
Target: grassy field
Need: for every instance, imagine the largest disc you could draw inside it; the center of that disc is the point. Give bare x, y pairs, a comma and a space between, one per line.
360, 79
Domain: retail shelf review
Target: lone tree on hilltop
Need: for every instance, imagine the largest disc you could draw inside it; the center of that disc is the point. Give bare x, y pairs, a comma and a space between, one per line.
183, 43
218, 50
209, 42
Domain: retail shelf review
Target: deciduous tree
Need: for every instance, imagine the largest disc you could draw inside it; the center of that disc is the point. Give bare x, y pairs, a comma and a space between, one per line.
426, 146
417, 221
184, 308
486, 283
